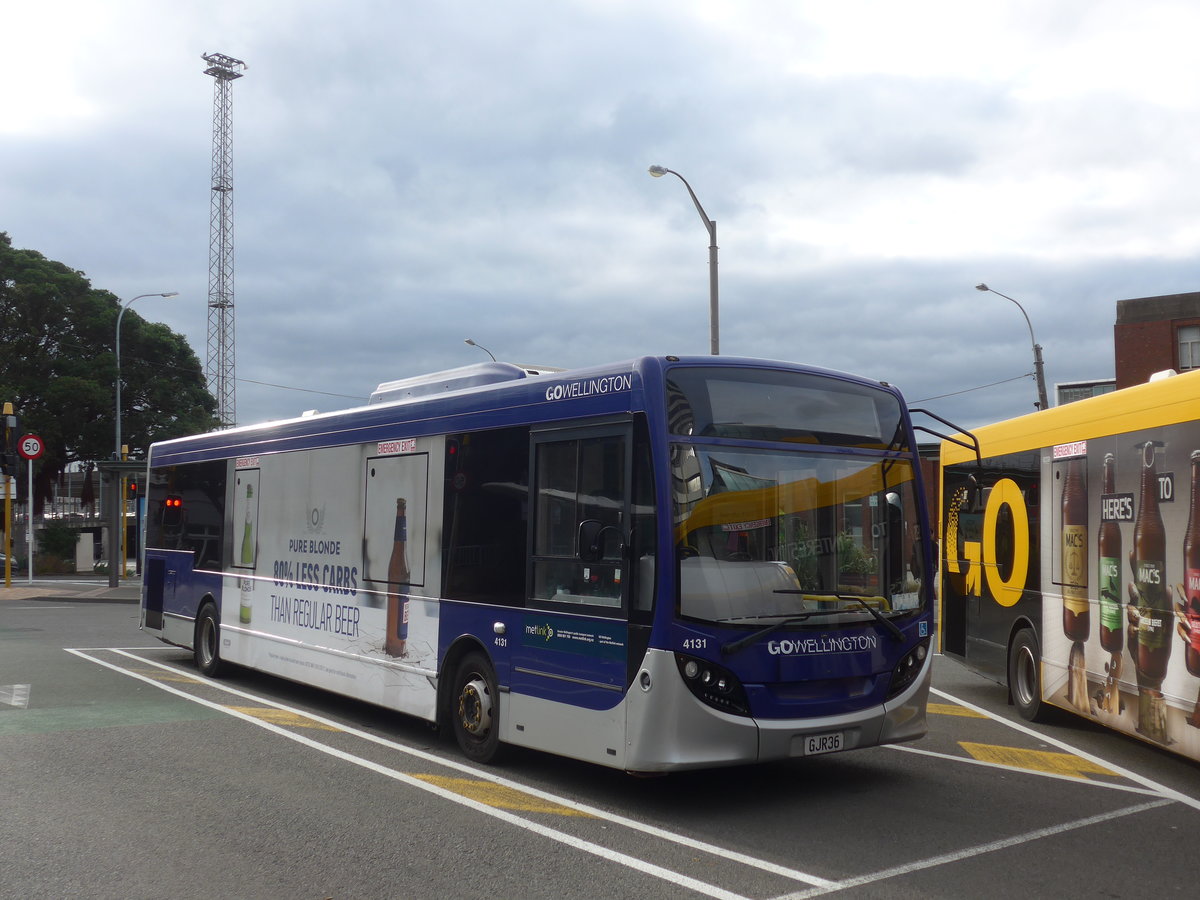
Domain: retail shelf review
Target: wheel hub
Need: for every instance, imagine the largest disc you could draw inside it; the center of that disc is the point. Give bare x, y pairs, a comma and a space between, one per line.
475, 707
1026, 675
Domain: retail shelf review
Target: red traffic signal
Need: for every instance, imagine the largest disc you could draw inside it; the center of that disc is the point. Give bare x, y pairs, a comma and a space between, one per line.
133, 490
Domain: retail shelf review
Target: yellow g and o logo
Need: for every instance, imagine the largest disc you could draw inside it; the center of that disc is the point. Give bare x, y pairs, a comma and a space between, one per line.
1005, 591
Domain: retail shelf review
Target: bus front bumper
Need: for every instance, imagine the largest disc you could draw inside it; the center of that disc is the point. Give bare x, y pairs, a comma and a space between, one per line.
669, 729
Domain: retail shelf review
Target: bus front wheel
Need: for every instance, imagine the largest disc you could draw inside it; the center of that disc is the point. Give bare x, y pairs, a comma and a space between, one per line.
474, 710
1025, 675
207, 643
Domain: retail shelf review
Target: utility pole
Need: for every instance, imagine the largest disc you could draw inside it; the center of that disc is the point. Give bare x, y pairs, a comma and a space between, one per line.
220, 369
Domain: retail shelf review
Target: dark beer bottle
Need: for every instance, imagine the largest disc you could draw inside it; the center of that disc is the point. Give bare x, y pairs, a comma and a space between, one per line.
1074, 552
1191, 572
1150, 578
1112, 634
396, 638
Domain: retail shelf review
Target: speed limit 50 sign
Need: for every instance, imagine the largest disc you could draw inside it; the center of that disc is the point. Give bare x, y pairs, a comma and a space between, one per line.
30, 446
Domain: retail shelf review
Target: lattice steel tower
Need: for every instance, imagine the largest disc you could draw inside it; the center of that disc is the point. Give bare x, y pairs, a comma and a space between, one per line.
220, 370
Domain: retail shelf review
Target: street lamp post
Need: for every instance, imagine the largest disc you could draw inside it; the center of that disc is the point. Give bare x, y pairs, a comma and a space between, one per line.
714, 326
481, 347
1038, 373
117, 451
118, 504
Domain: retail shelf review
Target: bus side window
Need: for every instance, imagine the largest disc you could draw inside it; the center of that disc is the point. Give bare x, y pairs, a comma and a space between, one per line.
485, 516
186, 506
579, 532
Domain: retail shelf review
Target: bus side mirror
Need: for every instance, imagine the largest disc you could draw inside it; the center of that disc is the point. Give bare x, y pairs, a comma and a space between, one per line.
593, 538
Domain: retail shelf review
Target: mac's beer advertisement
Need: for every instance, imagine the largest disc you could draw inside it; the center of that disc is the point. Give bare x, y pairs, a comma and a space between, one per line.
1120, 554
332, 563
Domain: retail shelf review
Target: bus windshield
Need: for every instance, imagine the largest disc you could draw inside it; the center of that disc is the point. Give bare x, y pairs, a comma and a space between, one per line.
764, 534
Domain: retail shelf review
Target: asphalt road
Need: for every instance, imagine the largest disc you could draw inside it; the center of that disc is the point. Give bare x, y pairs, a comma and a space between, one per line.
127, 775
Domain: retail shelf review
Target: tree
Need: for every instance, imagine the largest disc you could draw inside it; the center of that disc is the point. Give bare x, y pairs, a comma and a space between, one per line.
58, 367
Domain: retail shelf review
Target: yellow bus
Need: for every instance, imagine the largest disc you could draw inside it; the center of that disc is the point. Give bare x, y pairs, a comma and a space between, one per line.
1070, 563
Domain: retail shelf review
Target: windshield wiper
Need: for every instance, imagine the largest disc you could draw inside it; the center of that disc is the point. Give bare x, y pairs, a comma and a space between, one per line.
850, 598
735, 646
877, 615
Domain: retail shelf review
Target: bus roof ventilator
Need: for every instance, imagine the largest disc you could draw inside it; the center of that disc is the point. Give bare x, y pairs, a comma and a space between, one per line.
462, 378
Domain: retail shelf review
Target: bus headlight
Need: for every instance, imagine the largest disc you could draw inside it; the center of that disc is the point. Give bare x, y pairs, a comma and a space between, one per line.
713, 685
908, 668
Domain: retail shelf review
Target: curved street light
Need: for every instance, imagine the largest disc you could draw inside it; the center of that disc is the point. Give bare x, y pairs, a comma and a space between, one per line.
117, 453
1039, 375
711, 225
481, 347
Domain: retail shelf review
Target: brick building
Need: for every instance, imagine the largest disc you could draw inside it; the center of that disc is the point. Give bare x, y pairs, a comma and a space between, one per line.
1156, 333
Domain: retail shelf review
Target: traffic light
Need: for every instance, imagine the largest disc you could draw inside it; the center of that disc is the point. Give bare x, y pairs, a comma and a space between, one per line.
8, 451
172, 513
133, 490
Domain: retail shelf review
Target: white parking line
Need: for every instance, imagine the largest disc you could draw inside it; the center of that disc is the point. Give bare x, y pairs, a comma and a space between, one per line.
968, 761
970, 852
587, 846
1160, 789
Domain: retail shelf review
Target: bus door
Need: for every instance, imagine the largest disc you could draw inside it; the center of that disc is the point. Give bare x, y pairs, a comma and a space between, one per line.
961, 528
158, 590
990, 559
574, 638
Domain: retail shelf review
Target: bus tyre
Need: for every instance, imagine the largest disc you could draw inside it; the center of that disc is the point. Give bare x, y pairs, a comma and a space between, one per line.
474, 710
1025, 675
207, 645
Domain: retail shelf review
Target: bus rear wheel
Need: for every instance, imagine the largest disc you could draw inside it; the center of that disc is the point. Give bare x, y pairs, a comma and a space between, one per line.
474, 709
1025, 675
207, 643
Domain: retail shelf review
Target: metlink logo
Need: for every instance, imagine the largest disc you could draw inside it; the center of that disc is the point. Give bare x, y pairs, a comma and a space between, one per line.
542, 631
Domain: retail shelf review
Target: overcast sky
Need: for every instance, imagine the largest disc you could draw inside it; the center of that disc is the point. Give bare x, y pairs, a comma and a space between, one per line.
407, 175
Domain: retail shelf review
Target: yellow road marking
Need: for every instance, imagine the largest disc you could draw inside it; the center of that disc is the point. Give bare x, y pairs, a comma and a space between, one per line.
160, 675
282, 717
1067, 764
953, 709
499, 796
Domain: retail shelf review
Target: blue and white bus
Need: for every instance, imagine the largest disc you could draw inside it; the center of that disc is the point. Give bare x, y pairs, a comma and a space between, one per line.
663, 564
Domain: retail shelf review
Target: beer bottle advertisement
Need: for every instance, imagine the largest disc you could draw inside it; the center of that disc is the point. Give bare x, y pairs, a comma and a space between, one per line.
396, 639
1141, 653
1073, 576
246, 590
1109, 570
245, 515
248, 530
1187, 612
1150, 574
1150, 611
1108, 551
1076, 608
247, 557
